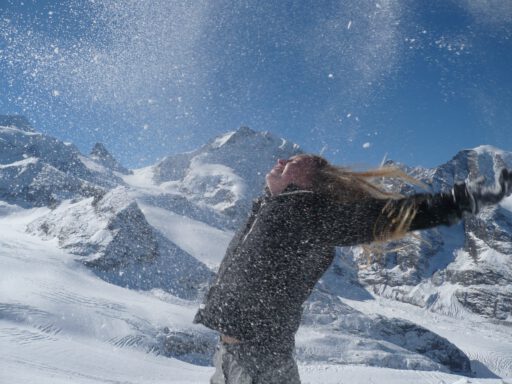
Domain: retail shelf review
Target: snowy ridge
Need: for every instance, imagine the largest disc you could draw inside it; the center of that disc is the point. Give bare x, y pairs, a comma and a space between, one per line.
16, 122
221, 140
21, 164
206, 243
101, 155
54, 173
111, 235
457, 270
227, 173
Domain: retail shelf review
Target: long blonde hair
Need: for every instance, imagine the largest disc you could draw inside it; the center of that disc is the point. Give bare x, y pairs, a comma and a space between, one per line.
344, 185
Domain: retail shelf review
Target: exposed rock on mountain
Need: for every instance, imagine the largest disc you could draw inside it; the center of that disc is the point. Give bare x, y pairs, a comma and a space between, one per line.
111, 235
37, 170
101, 155
31, 181
19, 122
358, 338
228, 172
468, 263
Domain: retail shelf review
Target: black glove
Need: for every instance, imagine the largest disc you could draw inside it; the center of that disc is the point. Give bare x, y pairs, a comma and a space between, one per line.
470, 197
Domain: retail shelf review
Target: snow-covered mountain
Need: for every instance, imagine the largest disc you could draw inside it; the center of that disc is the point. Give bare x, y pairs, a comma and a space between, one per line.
157, 235
226, 173
101, 155
38, 170
111, 235
458, 269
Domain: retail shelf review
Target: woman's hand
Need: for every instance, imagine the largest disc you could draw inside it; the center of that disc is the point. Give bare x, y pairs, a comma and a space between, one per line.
471, 197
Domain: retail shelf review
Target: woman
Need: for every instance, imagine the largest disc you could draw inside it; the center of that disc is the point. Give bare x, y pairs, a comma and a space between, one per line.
273, 263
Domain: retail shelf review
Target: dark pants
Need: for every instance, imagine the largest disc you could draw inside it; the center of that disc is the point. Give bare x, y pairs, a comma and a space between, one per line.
248, 364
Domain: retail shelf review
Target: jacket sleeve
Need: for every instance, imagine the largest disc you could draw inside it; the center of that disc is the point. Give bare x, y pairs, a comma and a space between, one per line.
434, 210
362, 222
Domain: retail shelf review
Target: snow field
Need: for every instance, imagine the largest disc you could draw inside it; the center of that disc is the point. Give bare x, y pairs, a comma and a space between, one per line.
59, 323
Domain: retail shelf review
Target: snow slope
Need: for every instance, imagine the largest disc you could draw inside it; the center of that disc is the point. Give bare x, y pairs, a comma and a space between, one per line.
205, 243
59, 323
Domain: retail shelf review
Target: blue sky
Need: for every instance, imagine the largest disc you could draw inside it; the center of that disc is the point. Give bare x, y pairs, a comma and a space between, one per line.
353, 79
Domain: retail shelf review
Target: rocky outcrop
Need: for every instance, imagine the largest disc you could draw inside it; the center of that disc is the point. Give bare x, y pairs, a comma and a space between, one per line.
111, 235
16, 121
469, 262
39, 170
101, 155
31, 182
375, 340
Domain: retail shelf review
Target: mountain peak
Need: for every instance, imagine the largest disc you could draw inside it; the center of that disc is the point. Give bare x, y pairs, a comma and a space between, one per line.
233, 136
100, 154
18, 121
488, 149
99, 150
245, 130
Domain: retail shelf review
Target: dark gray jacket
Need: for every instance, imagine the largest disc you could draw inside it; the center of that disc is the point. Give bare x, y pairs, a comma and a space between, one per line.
273, 263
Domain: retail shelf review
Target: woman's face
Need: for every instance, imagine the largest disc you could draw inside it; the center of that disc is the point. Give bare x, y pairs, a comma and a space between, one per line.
296, 170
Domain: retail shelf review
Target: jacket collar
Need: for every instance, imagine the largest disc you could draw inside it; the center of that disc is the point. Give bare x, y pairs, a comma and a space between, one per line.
267, 196
291, 189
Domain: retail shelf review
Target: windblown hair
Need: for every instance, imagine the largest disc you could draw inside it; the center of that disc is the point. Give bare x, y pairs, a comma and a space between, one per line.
344, 185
